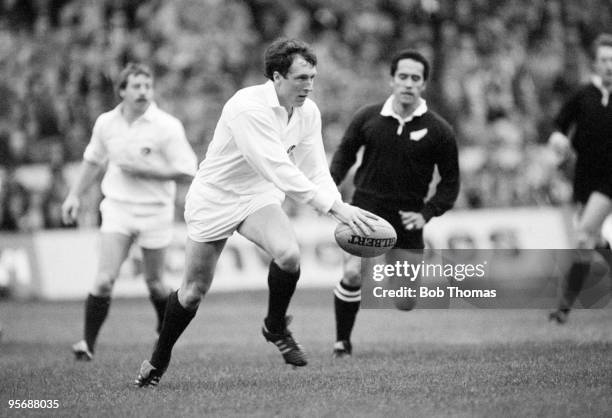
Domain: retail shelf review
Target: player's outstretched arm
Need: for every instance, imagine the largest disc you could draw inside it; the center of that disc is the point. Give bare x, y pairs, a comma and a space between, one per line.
87, 176
157, 172
360, 221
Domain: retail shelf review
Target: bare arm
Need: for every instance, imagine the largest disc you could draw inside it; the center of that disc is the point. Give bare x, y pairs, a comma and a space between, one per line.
156, 173
89, 172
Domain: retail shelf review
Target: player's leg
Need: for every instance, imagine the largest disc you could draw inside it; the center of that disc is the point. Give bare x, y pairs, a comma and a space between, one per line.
114, 249
588, 237
347, 299
413, 257
154, 236
200, 263
153, 263
270, 228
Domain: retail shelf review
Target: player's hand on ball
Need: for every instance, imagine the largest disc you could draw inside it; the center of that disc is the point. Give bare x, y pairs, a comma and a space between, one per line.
70, 209
412, 220
360, 221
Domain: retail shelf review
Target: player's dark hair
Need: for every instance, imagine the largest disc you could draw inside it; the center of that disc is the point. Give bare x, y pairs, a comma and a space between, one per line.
413, 55
605, 39
132, 68
280, 54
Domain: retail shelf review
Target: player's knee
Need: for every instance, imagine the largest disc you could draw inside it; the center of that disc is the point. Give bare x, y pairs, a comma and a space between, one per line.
288, 259
586, 239
103, 286
153, 280
157, 288
196, 284
190, 295
351, 277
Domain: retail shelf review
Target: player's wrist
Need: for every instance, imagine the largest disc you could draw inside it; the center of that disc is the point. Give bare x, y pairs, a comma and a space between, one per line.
427, 213
338, 208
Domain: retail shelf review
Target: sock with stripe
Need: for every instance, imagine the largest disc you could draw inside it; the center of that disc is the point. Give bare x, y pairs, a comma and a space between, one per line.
96, 311
281, 286
346, 305
175, 321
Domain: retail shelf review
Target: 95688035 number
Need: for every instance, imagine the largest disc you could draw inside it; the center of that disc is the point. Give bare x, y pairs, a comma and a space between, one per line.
33, 403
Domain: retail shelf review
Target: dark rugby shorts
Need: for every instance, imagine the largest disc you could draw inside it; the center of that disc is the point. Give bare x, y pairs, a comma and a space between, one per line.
406, 240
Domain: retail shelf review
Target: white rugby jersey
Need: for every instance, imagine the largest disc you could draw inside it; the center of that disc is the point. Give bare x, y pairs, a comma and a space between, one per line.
255, 150
157, 136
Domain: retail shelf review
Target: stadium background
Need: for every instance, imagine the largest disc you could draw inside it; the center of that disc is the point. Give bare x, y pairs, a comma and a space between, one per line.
500, 72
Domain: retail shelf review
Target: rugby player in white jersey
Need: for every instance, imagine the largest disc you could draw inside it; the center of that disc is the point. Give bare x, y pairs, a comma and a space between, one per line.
267, 144
142, 151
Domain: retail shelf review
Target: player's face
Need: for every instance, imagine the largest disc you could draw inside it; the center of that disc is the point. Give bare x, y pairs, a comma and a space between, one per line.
293, 89
138, 92
408, 83
603, 64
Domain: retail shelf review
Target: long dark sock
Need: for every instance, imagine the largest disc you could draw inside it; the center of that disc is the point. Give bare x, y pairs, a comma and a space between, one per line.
96, 311
175, 321
573, 284
159, 303
281, 285
346, 305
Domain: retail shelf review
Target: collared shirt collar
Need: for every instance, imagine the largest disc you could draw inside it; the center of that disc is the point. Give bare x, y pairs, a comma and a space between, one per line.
148, 115
387, 110
272, 100
605, 93
270, 94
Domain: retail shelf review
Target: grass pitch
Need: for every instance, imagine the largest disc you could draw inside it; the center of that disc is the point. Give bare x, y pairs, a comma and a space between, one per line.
421, 363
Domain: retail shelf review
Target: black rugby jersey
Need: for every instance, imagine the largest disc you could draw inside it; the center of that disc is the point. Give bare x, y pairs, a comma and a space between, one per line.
590, 122
398, 168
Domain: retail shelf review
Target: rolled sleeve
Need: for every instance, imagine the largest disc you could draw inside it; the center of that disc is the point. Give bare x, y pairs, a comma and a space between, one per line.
96, 152
179, 151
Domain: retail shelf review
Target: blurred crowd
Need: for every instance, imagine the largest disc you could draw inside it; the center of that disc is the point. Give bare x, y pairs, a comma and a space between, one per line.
501, 71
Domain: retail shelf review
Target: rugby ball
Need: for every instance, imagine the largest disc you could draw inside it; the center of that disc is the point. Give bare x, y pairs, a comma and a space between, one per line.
381, 240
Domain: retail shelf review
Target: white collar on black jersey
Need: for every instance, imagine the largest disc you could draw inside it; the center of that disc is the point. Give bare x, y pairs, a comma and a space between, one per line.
605, 94
387, 110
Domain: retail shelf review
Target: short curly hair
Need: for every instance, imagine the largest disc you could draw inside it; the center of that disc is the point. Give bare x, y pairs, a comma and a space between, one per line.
280, 54
132, 68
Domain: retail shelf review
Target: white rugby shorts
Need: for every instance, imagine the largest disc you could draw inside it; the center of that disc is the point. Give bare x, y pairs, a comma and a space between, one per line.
212, 215
151, 225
